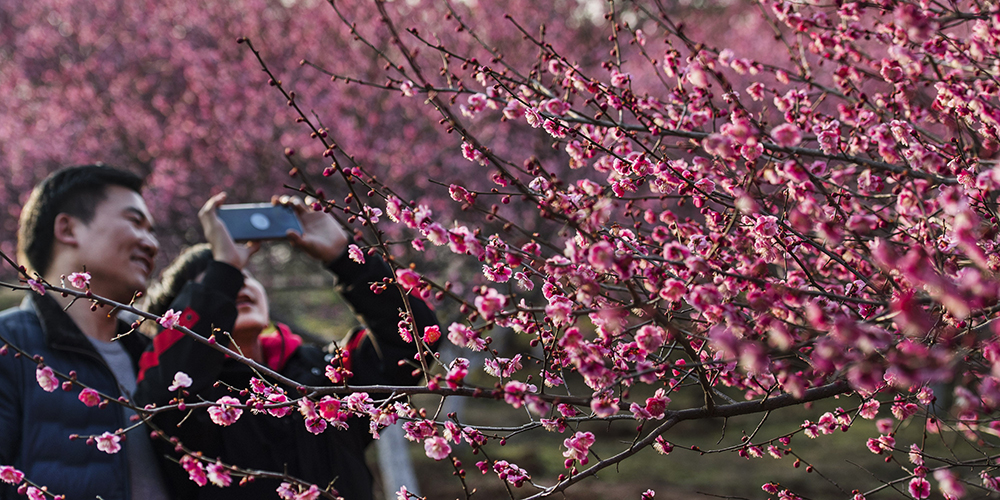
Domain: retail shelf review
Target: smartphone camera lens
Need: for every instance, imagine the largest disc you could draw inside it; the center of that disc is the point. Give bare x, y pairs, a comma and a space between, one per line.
260, 221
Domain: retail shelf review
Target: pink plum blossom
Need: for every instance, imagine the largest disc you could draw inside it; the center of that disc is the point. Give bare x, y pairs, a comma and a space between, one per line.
511, 473
513, 110
218, 475
436, 234
656, 405
355, 253
437, 447
990, 482
170, 319
315, 424
431, 334
195, 470
35, 493
419, 430
393, 208
604, 407
10, 475
79, 280
181, 380
696, 76
358, 402
514, 392
224, 413
286, 491
532, 117
311, 493
336, 372
499, 273
787, 135
108, 443
46, 378
36, 286
662, 446
278, 398
560, 309
464, 336
578, 446
490, 303
407, 279
457, 371
950, 485
502, 367
89, 397
869, 409
649, 338
329, 407
919, 488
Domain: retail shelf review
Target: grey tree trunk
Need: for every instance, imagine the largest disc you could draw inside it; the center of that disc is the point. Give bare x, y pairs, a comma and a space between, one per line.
394, 461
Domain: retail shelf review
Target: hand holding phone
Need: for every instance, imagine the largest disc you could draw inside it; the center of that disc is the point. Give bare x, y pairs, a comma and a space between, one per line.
321, 237
258, 221
224, 249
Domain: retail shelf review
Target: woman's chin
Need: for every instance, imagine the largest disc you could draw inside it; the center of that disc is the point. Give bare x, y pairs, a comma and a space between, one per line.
249, 326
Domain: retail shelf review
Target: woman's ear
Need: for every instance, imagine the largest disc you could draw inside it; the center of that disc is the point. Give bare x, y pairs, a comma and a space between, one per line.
64, 229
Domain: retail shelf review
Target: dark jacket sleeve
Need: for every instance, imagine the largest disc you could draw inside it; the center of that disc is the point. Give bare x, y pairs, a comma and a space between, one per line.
11, 383
205, 307
375, 356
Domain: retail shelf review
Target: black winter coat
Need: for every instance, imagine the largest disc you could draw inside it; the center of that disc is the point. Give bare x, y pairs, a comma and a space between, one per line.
35, 425
261, 441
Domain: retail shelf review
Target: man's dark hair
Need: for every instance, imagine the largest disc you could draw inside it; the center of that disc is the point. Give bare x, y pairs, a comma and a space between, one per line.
75, 191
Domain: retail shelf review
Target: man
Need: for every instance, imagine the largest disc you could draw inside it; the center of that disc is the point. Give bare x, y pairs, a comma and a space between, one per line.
87, 218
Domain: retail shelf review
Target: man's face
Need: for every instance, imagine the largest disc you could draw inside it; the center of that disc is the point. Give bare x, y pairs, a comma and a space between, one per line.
118, 245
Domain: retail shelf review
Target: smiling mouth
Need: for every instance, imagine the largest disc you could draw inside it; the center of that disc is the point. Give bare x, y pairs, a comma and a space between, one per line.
147, 264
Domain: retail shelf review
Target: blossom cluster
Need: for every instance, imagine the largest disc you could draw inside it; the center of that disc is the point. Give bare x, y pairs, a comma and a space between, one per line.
759, 226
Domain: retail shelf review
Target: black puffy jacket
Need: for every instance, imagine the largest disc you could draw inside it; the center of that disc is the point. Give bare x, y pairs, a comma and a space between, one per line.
35, 425
261, 441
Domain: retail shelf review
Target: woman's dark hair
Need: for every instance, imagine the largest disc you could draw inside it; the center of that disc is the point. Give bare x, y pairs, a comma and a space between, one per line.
186, 267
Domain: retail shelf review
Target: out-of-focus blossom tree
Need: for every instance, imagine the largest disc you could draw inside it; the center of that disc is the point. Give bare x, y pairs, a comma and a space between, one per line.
162, 88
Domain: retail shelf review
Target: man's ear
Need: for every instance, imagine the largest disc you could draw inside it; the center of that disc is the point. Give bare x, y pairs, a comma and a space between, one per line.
64, 229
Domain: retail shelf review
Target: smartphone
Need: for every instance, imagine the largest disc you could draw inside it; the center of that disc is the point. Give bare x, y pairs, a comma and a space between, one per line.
258, 221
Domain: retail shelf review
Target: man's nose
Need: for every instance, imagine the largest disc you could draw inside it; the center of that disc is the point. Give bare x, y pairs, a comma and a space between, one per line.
151, 244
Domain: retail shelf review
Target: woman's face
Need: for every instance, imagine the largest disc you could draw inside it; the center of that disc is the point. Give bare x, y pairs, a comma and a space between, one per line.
251, 306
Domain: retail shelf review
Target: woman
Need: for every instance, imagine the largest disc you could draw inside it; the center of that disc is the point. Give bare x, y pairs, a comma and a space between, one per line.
208, 285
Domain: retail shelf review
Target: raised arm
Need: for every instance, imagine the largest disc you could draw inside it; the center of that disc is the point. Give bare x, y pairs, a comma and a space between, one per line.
207, 304
375, 356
